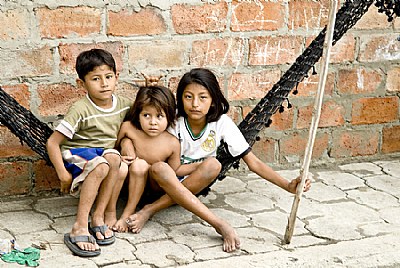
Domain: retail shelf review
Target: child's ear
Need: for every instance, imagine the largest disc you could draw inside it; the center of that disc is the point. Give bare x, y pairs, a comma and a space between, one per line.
80, 83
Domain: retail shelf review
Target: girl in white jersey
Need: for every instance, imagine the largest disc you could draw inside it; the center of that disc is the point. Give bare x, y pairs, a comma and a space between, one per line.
201, 127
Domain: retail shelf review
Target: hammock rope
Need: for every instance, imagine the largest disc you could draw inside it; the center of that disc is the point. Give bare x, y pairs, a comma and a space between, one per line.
29, 129
24, 124
260, 116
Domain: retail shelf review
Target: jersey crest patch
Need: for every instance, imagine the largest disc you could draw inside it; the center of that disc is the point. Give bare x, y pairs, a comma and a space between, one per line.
209, 144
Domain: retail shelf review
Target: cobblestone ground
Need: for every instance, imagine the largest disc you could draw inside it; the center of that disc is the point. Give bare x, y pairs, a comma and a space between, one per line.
350, 218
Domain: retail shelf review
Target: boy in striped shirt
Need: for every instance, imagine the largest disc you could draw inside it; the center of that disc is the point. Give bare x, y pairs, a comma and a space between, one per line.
82, 150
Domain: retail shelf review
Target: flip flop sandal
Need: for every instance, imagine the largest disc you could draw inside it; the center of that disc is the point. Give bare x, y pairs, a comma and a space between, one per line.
70, 242
102, 229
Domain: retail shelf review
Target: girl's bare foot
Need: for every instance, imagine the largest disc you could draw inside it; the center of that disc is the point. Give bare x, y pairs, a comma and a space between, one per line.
231, 239
138, 220
121, 226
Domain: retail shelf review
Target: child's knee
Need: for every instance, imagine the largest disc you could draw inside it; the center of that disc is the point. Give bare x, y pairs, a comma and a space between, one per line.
101, 170
161, 170
212, 165
139, 167
113, 159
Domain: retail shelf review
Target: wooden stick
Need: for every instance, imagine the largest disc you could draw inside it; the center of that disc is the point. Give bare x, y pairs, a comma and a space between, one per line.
315, 119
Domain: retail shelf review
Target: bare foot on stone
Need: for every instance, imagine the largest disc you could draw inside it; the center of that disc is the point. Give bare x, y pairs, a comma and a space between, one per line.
231, 239
138, 220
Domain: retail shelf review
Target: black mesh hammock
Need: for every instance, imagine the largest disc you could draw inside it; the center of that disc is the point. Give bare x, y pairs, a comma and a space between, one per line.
35, 133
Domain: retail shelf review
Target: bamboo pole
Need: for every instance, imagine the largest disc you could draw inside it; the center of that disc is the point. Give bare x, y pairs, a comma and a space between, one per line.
315, 119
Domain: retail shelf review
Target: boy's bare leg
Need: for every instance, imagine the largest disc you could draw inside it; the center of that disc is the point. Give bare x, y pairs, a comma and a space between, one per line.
197, 181
138, 172
87, 197
110, 215
106, 190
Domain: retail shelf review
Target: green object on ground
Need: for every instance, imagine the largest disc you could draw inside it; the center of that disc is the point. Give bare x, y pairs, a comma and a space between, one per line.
29, 256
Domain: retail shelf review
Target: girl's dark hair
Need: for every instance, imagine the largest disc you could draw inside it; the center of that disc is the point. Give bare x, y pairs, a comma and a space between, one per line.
207, 79
90, 59
160, 97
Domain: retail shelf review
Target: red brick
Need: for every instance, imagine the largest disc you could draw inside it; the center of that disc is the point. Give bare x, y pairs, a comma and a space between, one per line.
332, 114
391, 139
354, 143
252, 86
68, 21
127, 90
246, 110
358, 81
206, 18
27, 62
309, 86
308, 14
282, 121
375, 110
373, 20
45, 177
235, 113
218, 52
69, 53
294, 146
264, 149
10, 145
393, 80
379, 48
17, 25
127, 22
271, 50
344, 50
20, 93
173, 83
57, 98
256, 16
15, 178
156, 55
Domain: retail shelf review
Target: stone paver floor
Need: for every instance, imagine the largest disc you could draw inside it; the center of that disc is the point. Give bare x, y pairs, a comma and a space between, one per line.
350, 218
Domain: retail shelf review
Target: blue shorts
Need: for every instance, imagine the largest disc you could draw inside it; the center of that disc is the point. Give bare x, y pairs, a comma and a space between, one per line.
81, 161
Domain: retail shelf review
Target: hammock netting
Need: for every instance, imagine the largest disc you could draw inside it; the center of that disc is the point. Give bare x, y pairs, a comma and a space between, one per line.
29, 129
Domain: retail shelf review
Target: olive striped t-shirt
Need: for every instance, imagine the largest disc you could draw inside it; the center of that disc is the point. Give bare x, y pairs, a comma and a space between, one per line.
87, 125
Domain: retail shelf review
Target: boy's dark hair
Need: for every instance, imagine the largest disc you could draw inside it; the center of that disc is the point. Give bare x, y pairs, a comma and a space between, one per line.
207, 79
90, 59
160, 97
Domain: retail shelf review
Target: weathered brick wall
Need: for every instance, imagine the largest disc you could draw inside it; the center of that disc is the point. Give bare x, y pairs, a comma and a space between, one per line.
248, 43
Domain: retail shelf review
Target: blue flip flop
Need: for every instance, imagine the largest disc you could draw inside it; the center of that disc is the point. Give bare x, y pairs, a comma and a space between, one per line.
70, 242
102, 229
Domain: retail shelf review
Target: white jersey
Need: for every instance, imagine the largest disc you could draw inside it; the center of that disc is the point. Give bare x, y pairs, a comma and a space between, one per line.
197, 148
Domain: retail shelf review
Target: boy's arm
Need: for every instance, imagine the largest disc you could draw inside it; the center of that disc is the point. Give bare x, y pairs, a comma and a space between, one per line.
54, 151
121, 135
126, 145
128, 154
266, 172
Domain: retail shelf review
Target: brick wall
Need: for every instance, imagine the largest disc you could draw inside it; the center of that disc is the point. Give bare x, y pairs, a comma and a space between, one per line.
249, 44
